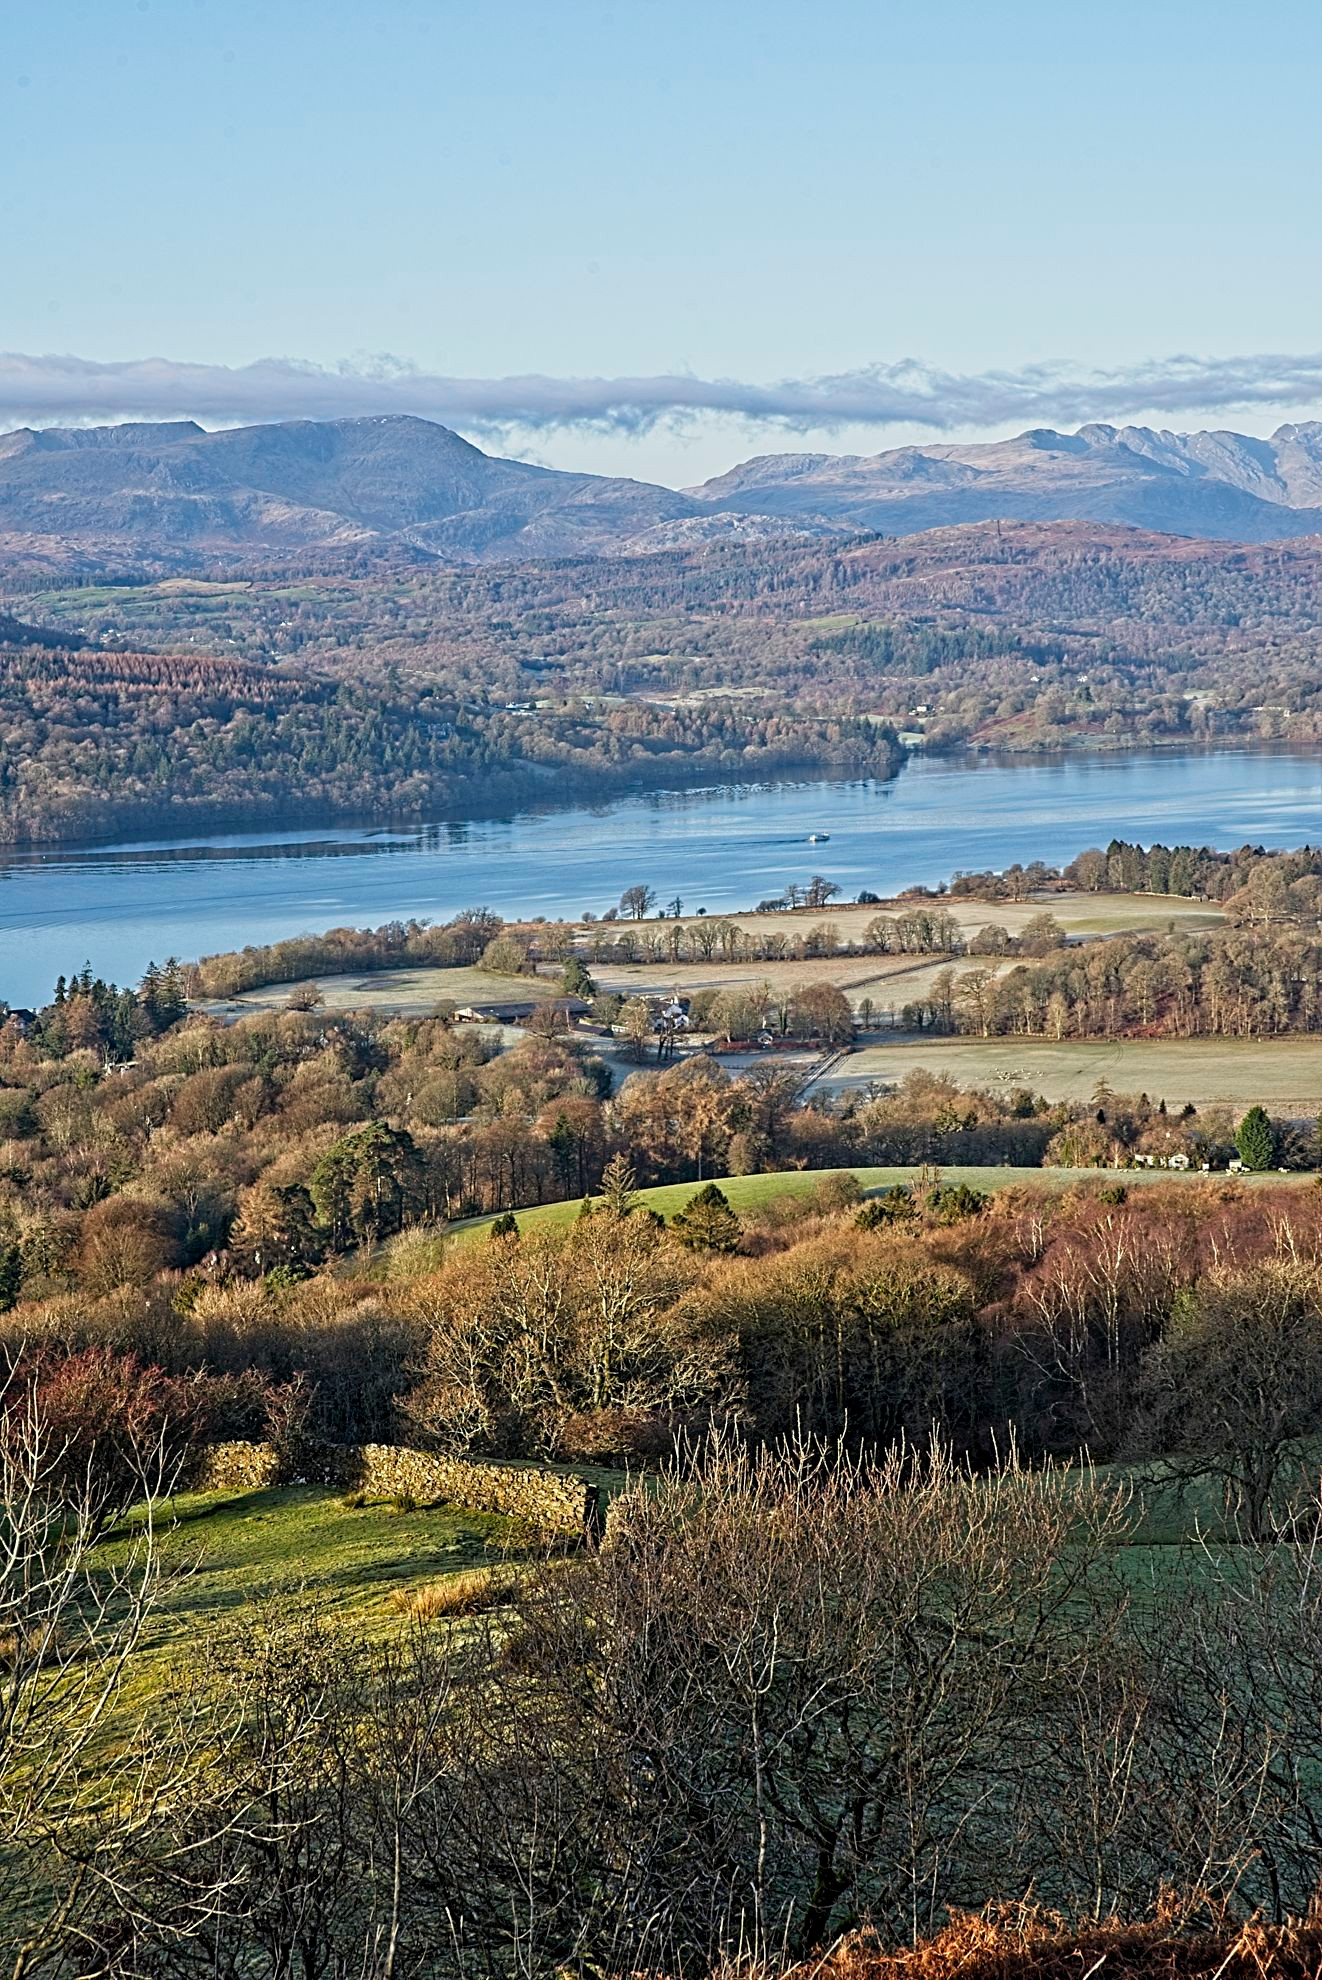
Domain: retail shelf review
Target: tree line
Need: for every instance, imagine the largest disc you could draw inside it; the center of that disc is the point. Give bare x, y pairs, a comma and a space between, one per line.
1232, 983
149, 1143
923, 928
211, 1185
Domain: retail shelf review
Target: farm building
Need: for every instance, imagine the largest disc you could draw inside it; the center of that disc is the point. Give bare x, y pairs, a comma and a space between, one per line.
518, 1011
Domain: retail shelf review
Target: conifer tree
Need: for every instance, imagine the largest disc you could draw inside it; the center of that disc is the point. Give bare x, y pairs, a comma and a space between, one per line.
707, 1223
1255, 1138
619, 1186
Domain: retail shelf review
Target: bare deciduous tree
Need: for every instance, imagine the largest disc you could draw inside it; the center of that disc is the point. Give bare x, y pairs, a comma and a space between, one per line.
1234, 1390
69, 1623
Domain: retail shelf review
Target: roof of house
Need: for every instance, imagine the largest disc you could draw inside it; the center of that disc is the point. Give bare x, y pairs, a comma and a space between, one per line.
509, 1011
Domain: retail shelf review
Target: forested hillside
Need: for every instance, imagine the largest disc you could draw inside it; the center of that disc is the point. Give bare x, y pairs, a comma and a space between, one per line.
385, 690
1019, 635
95, 742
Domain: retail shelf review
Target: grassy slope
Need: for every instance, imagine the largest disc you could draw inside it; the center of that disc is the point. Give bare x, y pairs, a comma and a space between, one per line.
292, 1547
222, 1552
227, 1553
231, 1557
751, 1192
223, 1549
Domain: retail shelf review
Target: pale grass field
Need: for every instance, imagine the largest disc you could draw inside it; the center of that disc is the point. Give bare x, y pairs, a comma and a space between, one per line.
893, 981
407, 992
1282, 1074
1079, 914
890, 981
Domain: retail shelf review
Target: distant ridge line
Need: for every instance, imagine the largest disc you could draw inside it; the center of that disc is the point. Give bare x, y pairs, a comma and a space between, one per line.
175, 496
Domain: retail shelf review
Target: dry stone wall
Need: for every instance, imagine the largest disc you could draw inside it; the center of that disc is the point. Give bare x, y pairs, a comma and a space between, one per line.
236, 1467
554, 1502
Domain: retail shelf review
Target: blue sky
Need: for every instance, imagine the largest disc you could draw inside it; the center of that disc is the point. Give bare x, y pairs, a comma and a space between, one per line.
738, 191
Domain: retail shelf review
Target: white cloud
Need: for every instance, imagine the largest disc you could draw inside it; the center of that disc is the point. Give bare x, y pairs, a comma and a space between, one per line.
63, 389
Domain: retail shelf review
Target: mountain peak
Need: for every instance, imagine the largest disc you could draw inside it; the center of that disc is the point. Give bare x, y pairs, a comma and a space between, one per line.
176, 494
1219, 484
130, 433
173, 494
1046, 440
1307, 430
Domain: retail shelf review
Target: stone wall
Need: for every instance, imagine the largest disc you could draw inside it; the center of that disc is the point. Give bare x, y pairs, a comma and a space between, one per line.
235, 1467
555, 1502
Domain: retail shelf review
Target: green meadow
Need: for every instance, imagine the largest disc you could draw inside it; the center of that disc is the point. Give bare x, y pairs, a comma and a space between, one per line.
753, 1193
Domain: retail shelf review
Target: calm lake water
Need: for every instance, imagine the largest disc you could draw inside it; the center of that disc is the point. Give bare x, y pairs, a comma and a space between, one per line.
123, 906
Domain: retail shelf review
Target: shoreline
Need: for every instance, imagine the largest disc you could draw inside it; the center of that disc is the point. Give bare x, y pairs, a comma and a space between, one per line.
530, 798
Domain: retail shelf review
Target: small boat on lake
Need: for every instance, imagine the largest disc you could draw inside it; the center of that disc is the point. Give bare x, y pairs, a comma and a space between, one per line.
818, 838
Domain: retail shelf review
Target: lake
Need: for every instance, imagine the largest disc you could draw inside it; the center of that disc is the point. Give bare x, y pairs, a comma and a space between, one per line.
121, 906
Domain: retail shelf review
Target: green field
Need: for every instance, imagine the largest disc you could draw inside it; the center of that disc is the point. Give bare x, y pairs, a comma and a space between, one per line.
224, 1551
220, 1550
283, 1553
1282, 1074
274, 1556
301, 1547
752, 1193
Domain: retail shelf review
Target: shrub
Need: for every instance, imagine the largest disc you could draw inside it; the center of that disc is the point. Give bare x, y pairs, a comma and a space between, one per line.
953, 1203
28, 1650
1255, 1139
111, 1428
1193, 1938
616, 1436
413, 1253
208, 1100
505, 956
126, 1241
893, 1206
838, 1191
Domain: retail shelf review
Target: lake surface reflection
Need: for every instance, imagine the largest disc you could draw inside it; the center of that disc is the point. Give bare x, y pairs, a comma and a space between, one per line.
727, 847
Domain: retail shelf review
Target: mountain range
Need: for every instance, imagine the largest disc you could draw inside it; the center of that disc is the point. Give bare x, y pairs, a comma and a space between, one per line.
174, 495
1226, 486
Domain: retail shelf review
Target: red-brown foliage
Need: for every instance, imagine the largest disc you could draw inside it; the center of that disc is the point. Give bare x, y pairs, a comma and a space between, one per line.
112, 1425
1023, 1943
